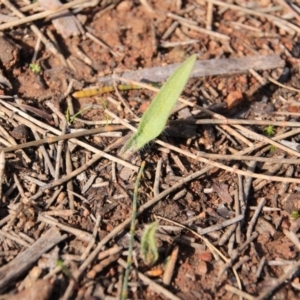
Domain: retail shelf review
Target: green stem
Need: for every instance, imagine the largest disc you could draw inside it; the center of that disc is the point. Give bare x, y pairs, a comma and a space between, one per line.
132, 231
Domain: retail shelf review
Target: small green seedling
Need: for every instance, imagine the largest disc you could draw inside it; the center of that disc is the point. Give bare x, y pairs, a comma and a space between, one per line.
294, 215
269, 130
106, 115
70, 119
149, 251
155, 118
64, 269
35, 68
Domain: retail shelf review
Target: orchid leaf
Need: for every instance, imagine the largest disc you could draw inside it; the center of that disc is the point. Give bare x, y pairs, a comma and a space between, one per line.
149, 250
156, 116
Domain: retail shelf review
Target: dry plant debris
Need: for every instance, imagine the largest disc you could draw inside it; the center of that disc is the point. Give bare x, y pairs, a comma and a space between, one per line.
222, 180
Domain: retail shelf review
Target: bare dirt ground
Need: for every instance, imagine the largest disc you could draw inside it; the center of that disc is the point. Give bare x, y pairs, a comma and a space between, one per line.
223, 186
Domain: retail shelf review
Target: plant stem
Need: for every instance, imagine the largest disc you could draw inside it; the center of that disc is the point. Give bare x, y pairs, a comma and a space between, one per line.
132, 231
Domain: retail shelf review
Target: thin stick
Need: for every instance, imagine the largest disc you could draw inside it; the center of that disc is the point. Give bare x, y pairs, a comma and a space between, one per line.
102, 44
70, 182
126, 105
286, 276
238, 292
255, 216
54, 139
290, 9
209, 16
211, 247
80, 234
220, 226
238, 202
2, 168
120, 227
34, 28
167, 277
195, 27
255, 13
235, 122
37, 16
85, 167
216, 164
235, 254
293, 237
153, 285
283, 86
157, 177
59, 152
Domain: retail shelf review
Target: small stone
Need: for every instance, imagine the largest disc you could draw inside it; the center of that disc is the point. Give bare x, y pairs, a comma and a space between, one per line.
234, 98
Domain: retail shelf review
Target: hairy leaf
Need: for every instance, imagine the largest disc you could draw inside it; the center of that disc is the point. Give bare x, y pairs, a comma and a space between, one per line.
148, 244
155, 118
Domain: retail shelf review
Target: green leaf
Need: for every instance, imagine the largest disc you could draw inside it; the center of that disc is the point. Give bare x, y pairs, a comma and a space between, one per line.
294, 215
269, 130
35, 68
148, 244
155, 118
71, 119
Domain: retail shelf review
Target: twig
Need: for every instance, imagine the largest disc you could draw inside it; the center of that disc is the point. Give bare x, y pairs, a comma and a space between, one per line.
20, 189
209, 16
216, 164
34, 180
70, 182
293, 237
15, 268
219, 226
286, 276
241, 262
37, 16
43, 151
13, 142
235, 253
227, 234
2, 169
226, 127
260, 267
83, 168
238, 292
80, 234
211, 247
239, 201
153, 285
255, 13
254, 217
282, 85
102, 44
127, 107
210, 67
34, 28
80, 143
170, 30
13, 238
189, 24
103, 264
54, 139
167, 277
290, 9
157, 177
176, 44
120, 227
147, 6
